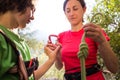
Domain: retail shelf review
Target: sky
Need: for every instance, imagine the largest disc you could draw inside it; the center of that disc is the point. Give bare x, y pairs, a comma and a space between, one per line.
50, 18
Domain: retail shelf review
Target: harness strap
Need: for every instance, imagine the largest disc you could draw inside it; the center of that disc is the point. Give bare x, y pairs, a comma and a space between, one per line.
94, 65
77, 75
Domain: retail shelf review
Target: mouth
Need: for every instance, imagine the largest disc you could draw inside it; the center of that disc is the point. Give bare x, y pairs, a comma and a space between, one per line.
28, 21
72, 18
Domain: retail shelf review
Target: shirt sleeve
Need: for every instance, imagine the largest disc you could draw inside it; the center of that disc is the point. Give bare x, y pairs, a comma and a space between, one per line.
60, 37
2, 47
6, 61
106, 36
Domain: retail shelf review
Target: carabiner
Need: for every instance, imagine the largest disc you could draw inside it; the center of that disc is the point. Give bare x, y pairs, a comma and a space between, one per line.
54, 36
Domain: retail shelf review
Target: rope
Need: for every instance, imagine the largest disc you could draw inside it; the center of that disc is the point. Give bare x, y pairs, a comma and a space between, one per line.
83, 51
82, 54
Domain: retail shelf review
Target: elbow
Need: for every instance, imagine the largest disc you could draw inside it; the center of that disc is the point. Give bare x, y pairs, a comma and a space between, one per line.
59, 67
115, 69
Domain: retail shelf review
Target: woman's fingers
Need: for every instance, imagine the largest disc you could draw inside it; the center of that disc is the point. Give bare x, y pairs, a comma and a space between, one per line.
94, 31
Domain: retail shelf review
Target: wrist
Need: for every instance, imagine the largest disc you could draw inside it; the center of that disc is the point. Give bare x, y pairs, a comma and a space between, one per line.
104, 43
103, 46
51, 60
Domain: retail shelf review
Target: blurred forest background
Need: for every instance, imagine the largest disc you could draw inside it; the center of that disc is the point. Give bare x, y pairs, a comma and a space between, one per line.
110, 21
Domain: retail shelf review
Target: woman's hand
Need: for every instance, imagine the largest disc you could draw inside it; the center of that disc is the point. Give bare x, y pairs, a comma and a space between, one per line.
95, 32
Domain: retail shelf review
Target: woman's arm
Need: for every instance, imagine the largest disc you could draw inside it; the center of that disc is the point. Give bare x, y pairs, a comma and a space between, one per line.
95, 32
58, 62
109, 57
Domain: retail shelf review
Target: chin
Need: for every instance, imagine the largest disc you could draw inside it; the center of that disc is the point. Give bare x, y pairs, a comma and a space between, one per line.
73, 23
22, 26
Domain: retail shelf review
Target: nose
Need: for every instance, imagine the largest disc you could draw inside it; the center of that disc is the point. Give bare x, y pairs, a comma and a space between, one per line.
32, 14
32, 17
71, 12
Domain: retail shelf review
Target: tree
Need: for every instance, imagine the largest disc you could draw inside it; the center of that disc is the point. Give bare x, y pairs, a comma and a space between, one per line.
110, 21
36, 46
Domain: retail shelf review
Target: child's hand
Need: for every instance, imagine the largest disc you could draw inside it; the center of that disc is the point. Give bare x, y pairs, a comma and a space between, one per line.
52, 50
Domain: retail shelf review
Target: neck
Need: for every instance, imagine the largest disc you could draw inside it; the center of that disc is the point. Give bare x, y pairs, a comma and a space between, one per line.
7, 21
76, 27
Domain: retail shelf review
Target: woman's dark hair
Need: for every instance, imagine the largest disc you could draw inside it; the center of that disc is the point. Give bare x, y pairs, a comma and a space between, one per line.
82, 2
19, 5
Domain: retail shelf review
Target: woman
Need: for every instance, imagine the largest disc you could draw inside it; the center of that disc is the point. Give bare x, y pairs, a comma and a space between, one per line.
96, 39
16, 14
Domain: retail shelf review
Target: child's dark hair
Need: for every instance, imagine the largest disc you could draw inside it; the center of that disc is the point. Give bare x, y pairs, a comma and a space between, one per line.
10, 5
82, 2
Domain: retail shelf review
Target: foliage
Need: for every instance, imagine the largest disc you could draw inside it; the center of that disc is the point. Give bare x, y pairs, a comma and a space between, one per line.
110, 21
32, 42
52, 73
36, 47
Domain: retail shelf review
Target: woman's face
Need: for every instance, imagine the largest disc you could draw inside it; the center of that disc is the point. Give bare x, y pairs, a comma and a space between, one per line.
25, 18
74, 12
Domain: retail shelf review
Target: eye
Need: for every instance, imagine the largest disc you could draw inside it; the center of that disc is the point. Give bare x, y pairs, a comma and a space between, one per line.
67, 10
75, 8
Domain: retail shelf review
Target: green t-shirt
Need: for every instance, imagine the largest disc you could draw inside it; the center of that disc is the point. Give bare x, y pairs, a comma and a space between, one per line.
8, 56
